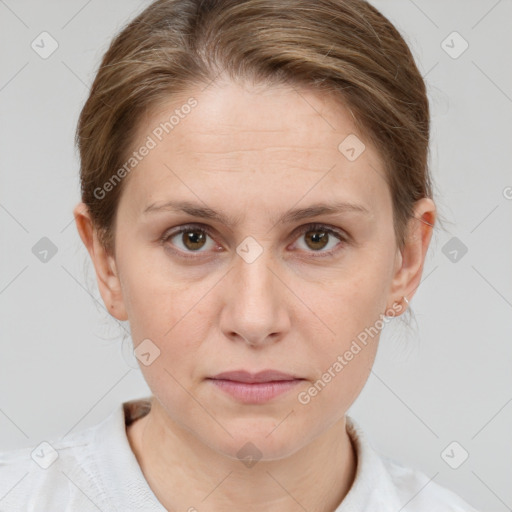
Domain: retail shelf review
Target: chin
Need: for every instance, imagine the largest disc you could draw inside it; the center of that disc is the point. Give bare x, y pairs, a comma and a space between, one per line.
261, 438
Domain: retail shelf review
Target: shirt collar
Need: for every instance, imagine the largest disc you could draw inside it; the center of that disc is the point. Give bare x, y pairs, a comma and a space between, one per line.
373, 488
118, 467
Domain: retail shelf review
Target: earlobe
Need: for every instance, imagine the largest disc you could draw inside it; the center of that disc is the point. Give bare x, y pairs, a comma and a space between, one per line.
107, 275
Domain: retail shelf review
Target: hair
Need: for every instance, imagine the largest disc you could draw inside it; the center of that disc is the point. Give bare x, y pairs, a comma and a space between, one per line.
344, 48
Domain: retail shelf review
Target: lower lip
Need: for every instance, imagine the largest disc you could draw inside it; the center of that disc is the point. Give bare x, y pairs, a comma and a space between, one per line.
255, 393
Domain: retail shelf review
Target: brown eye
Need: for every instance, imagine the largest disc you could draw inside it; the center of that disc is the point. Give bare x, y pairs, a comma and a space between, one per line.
189, 239
314, 239
193, 240
317, 239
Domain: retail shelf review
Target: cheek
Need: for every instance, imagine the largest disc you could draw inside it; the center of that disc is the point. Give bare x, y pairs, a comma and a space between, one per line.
349, 312
154, 296
170, 312
343, 371
348, 302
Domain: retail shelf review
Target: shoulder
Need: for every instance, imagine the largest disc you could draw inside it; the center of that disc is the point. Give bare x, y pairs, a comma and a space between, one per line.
421, 493
384, 484
52, 475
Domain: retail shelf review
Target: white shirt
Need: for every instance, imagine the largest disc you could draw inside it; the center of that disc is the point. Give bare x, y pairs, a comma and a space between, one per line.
95, 469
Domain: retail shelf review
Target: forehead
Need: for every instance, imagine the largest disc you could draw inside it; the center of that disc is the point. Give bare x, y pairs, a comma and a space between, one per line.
239, 117
269, 144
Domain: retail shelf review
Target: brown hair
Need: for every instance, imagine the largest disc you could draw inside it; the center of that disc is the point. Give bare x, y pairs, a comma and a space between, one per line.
346, 48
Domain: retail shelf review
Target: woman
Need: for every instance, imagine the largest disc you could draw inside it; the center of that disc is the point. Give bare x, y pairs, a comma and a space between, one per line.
257, 204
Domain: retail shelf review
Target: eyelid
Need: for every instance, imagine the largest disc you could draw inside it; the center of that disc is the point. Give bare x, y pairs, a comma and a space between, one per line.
342, 235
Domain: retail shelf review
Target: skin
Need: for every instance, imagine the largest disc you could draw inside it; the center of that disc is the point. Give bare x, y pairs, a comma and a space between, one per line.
253, 153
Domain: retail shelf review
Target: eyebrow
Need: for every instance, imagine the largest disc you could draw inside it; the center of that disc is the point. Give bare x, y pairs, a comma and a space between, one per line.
293, 215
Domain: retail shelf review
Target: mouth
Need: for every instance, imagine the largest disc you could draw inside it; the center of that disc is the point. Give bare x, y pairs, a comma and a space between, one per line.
254, 388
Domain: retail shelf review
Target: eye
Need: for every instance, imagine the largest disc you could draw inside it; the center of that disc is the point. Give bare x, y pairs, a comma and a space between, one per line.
189, 238
319, 236
192, 238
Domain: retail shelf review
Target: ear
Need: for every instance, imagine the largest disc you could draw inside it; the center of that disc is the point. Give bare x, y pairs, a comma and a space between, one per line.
104, 263
410, 260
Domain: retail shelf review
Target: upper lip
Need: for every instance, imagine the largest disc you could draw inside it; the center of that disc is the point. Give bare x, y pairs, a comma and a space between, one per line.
263, 376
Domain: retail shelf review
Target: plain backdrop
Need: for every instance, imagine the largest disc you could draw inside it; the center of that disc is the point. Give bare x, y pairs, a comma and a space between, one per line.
447, 378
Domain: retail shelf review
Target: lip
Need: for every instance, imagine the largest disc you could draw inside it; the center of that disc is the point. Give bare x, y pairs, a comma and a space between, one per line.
250, 378
255, 388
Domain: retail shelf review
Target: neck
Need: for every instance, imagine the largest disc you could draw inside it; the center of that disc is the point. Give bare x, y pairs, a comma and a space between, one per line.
186, 474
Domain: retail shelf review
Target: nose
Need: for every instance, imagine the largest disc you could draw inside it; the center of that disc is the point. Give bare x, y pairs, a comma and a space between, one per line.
256, 302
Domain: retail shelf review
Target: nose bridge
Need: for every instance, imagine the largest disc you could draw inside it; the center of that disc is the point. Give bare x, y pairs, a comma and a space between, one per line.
255, 303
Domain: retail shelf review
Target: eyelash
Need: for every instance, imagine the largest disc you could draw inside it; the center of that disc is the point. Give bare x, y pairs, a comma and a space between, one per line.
304, 229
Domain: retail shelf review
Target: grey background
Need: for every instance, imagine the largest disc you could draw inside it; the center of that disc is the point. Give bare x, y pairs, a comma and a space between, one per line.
64, 365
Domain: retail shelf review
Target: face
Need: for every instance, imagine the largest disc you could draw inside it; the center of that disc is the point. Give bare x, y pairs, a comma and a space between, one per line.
255, 287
